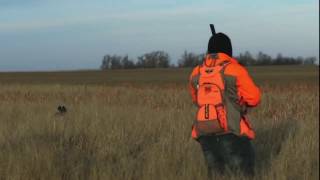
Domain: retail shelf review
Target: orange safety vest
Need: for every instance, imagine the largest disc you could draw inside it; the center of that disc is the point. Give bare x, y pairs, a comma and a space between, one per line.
221, 88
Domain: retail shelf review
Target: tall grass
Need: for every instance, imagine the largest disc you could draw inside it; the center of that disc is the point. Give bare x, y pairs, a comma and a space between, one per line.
143, 132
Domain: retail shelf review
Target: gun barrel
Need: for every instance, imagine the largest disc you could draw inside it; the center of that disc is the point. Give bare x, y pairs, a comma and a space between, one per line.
212, 29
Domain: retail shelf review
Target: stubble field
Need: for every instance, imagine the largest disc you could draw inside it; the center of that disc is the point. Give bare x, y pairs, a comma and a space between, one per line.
135, 124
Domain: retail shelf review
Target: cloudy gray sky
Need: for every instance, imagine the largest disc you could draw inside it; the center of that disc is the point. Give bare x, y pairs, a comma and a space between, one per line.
75, 34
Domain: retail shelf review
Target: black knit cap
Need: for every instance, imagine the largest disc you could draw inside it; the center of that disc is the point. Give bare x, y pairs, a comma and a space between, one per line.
220, 43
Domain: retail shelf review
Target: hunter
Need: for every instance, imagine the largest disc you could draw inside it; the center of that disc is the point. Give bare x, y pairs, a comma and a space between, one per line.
223, 91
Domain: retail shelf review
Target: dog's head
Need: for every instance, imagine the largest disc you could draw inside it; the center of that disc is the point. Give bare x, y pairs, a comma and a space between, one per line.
62, 109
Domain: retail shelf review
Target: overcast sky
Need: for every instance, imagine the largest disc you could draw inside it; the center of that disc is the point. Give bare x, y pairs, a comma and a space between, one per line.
75, 34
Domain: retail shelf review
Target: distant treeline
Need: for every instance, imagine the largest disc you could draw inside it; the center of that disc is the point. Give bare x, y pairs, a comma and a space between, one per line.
261, 58
161, 59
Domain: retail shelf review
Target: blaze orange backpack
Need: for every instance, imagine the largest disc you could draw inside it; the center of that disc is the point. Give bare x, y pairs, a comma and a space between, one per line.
211, 115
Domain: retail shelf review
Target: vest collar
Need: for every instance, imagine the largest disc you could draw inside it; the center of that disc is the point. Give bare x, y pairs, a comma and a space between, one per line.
216, 59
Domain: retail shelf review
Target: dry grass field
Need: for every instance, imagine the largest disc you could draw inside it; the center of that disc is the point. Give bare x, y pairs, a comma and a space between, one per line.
135, 124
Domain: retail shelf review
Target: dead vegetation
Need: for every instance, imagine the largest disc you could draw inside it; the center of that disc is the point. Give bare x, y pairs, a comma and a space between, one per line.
140, 129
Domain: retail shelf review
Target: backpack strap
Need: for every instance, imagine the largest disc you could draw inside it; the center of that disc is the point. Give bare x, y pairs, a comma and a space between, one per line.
239, 107
195, 79
224, 64
199, 66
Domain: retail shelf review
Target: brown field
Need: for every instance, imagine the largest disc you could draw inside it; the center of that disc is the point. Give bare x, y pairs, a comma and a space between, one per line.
135, 124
